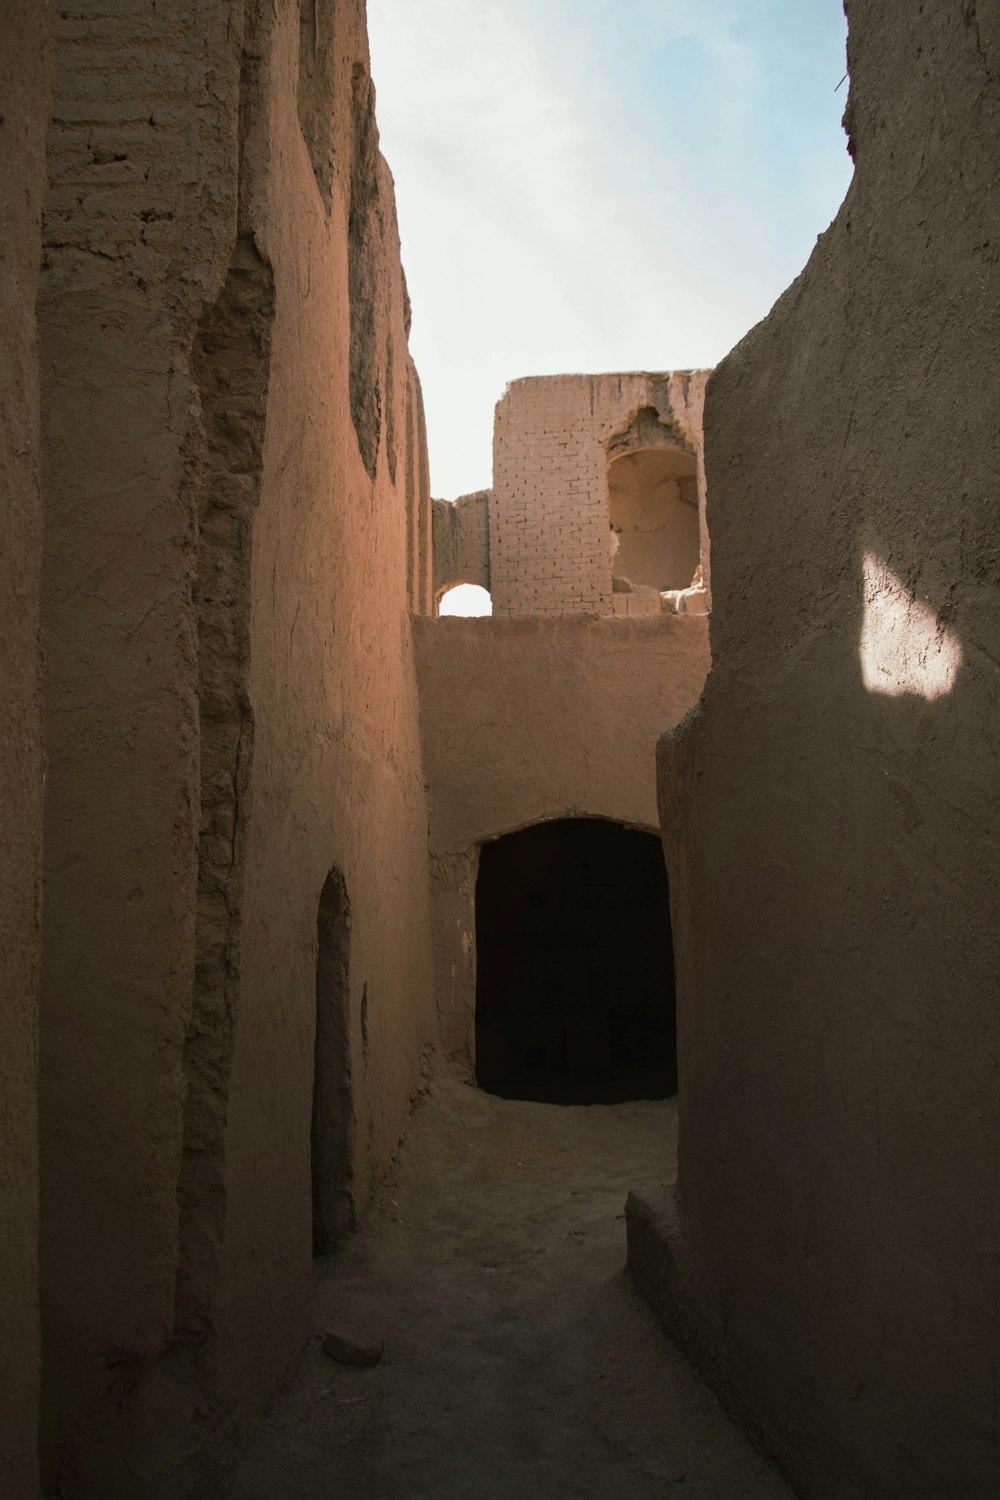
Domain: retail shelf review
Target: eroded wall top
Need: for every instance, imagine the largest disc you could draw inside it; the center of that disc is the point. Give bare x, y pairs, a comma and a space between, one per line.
553, 536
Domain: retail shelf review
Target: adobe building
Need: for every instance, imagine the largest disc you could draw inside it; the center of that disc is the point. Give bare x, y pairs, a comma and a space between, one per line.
265, 779
830, 813
547, 710
234, 797
25, 62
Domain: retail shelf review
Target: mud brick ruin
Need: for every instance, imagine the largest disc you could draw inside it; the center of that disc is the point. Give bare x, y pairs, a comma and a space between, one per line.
264, 809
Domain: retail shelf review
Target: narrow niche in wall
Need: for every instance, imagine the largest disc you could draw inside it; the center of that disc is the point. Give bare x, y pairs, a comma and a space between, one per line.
231, 361
317, 77
574, 960
653, 513
465, 599
364, 257
332, 1116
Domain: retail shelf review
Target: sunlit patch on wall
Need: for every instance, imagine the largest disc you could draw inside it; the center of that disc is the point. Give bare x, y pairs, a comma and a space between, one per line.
904, 648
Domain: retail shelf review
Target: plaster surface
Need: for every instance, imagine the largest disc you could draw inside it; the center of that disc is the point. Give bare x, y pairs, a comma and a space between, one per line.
232, 706
532, 718
830, 816
25, 88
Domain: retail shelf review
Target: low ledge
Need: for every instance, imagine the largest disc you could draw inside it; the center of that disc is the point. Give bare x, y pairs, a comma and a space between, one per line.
653, 1236
694, 1315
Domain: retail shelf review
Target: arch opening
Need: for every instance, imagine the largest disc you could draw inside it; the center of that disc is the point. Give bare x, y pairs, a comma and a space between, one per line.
331, 1135
575, 973
653, 514
466, 599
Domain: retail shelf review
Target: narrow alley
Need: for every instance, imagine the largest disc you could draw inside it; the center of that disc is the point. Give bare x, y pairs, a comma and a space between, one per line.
519, 1361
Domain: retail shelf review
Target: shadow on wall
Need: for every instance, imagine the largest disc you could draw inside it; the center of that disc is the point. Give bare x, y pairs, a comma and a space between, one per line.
575, 979
849, 786
332, 1117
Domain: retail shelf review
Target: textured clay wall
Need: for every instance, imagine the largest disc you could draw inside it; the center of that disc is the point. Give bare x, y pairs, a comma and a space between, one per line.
420, 542
231, 705
530, 719
141, 183
549, 532
462, 541
25, 90
831, 816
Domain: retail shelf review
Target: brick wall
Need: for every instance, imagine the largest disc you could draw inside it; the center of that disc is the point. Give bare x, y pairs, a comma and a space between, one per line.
548, 509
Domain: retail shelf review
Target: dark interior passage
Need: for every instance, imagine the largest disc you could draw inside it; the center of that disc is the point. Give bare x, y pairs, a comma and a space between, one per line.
575, 970
331, 1135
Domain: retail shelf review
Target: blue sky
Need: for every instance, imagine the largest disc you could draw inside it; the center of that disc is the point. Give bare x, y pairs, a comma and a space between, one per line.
589, 185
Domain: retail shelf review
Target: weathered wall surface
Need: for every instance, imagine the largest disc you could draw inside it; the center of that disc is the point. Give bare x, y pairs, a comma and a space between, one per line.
337, 748
142, 183
549, 524
831, 815
232, 704
461, 532
529, 719
419, 506
25, 88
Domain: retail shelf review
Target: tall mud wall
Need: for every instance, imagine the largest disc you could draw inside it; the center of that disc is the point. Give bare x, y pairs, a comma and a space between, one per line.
830, 816
528, 719
235, 466
25, 89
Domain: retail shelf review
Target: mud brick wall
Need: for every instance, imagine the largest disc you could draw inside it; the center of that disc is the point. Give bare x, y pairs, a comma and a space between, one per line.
549, 521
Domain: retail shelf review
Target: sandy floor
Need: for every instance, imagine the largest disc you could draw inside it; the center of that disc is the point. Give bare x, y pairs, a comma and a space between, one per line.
519, 1362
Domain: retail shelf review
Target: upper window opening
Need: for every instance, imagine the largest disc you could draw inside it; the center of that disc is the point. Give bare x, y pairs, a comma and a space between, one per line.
653, 512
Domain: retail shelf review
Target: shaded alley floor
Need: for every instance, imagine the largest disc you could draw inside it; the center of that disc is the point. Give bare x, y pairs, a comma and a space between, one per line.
519, 1364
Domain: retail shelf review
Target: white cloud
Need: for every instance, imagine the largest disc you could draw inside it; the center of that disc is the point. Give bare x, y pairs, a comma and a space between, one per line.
548, 223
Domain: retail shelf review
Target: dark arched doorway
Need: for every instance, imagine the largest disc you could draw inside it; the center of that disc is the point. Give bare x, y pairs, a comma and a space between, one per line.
332, 1118
574, 965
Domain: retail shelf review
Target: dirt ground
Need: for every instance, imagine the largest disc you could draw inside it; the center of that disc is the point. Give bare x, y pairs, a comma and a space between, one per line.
519, 1364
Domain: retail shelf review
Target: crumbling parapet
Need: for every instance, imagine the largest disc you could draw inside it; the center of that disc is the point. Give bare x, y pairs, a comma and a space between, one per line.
598, 500
461, 541
559, 442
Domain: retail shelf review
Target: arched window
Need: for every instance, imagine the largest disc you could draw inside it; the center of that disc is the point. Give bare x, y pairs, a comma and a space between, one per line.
653, 511
465, 599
